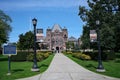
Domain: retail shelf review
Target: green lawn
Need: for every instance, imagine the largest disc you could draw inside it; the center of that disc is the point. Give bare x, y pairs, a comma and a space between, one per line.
112, 68
21, 69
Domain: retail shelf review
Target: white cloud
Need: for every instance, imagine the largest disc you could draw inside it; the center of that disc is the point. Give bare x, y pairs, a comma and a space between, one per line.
31, 4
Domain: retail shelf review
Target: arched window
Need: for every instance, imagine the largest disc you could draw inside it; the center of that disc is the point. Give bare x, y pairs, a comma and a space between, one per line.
65, 36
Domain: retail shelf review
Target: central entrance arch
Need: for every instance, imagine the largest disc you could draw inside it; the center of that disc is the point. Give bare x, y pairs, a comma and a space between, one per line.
57, 49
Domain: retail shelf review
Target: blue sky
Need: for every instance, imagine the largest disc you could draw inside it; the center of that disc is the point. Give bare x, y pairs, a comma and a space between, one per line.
47, 12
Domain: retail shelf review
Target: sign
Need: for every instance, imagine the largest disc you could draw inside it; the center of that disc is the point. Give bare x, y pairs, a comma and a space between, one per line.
93, 36
9, 50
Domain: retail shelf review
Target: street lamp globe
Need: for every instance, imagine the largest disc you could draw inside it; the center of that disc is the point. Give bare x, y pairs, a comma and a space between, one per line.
34, 21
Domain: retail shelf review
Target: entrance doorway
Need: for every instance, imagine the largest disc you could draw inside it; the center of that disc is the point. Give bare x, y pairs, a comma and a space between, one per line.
57, 49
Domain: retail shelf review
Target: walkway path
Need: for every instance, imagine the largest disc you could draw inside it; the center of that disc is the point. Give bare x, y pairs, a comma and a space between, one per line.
62, 68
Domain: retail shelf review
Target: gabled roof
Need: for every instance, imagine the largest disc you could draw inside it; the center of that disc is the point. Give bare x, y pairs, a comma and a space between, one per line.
56, 27
72, 39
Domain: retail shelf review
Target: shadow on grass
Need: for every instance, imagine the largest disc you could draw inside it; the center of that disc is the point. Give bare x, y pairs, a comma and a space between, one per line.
91, 66
17, 70
3, 59
43, 65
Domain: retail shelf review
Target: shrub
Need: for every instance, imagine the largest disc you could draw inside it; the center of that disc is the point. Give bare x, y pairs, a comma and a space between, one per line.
44, 51
46, 55
50, 53
39, 56
64, 52
25, 56
117, 60
69, 52
81, 56
21, 56
117, 55
78, 55
85, 57
30, 57
76, 51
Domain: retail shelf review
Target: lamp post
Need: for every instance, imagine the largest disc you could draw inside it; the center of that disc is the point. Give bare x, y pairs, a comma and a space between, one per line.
35, 67
100, 67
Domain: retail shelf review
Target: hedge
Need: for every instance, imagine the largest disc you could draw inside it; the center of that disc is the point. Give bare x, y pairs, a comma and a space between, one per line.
40, 56
94, 55
21, 56
28, 56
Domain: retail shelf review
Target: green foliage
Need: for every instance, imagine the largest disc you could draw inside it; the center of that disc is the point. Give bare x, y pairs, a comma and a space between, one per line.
117, 60
26, 41
109, 26
64, 52
50, 52
5, 27
117, 55
105, 55
21, 56
110, 55
40, 56
81, 56
107, 38
70, 45
85, 38
68, 52
78, 55
30, 57
112, 68
46, 55
21, 69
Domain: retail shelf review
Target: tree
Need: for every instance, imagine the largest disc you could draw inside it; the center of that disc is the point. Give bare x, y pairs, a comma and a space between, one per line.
102, 10
5, 27
85, 38
70, 45
117, 31
26, 41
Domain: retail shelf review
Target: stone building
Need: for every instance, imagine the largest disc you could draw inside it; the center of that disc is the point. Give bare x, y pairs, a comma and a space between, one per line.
56, 38
73, 39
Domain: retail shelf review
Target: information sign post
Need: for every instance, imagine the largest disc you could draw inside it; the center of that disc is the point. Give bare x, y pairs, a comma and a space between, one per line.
9, 50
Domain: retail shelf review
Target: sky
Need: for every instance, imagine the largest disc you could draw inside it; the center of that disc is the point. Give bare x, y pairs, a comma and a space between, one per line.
47, 12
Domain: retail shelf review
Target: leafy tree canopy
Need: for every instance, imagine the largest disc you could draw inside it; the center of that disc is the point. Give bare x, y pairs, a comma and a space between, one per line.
5, 27
25, 41
107, 12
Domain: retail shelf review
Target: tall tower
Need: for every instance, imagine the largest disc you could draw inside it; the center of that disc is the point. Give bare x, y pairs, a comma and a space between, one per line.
65, 34
48, 38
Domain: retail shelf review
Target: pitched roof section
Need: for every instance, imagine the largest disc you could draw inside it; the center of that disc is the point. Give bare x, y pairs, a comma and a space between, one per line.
72, 39
56, 27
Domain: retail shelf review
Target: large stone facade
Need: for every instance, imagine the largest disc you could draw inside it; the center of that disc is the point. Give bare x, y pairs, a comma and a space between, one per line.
56, 38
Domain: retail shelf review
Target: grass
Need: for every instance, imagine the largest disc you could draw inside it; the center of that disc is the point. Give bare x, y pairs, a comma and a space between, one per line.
112, 68
21, 69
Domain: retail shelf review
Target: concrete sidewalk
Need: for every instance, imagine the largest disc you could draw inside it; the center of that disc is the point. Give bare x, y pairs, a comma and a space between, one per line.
62, 68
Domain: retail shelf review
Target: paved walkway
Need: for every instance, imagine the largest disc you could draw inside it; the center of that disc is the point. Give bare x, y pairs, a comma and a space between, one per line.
62, 68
